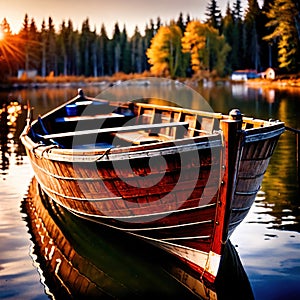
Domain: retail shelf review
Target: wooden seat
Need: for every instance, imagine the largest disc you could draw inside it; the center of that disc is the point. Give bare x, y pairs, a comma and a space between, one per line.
181, 127
88, 118
141, 137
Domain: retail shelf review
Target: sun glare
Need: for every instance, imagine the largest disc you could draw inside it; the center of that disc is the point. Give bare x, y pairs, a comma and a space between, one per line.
1, 35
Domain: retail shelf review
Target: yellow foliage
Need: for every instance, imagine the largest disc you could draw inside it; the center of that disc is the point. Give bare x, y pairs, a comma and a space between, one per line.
164, 50
193, 41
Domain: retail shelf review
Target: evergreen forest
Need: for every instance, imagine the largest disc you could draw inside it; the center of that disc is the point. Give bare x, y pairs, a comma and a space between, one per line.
254, 38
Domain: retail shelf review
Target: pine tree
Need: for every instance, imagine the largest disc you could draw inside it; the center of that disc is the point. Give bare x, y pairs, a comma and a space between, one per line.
180, 23
214, 15
238, 37
282, 19
103, 52
125, 61
51, 48
35, 45
44, 49
24, 34
137, 51
158, 24
85, 48
228, 31
94, 53
116, 44
62, 49
297, 18
252, 37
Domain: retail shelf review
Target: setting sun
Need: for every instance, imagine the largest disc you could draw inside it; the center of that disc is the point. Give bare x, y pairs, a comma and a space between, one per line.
1, 35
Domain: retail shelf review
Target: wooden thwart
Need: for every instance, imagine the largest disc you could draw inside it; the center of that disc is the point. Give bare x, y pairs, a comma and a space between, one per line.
117, 129
88, 118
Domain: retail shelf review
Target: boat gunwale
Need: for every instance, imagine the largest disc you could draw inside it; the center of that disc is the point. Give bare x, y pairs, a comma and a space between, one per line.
53, 152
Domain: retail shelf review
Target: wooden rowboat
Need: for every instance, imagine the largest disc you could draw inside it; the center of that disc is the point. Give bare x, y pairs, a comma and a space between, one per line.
178, 178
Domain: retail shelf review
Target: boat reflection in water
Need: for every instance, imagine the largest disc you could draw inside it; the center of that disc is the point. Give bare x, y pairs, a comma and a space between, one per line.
78, 259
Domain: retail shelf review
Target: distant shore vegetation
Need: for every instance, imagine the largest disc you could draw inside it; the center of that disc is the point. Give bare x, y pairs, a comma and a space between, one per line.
254, 39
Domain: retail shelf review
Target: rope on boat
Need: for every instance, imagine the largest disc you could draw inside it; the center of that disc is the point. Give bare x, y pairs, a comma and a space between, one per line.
292, 129
102, 155
36, 147
47, 148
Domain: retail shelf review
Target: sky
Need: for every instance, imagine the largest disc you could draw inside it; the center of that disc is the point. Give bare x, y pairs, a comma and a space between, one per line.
129, 12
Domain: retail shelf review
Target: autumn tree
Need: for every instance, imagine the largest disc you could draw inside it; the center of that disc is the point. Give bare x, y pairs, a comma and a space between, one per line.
193, 42
165, 51
207, 48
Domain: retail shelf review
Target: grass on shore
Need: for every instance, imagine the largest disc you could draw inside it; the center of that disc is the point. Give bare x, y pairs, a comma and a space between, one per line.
51, 79
281, 81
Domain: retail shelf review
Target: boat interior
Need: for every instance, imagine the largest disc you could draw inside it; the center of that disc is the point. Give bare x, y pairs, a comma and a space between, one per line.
89, 123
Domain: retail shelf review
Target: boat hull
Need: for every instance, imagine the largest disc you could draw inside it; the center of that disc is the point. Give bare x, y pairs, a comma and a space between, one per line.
173, 206
185, 195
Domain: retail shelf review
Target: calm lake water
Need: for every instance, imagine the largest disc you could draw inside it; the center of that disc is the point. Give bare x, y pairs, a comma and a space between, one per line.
267, 242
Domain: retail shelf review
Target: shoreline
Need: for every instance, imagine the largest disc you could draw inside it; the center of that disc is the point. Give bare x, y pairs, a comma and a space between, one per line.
107, 81
275, 83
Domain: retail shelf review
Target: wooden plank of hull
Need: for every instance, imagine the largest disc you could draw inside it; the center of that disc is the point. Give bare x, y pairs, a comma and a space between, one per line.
252, 167
95, 189
129, 211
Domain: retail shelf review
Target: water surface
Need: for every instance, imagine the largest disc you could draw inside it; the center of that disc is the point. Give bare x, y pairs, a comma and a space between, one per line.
268, 241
